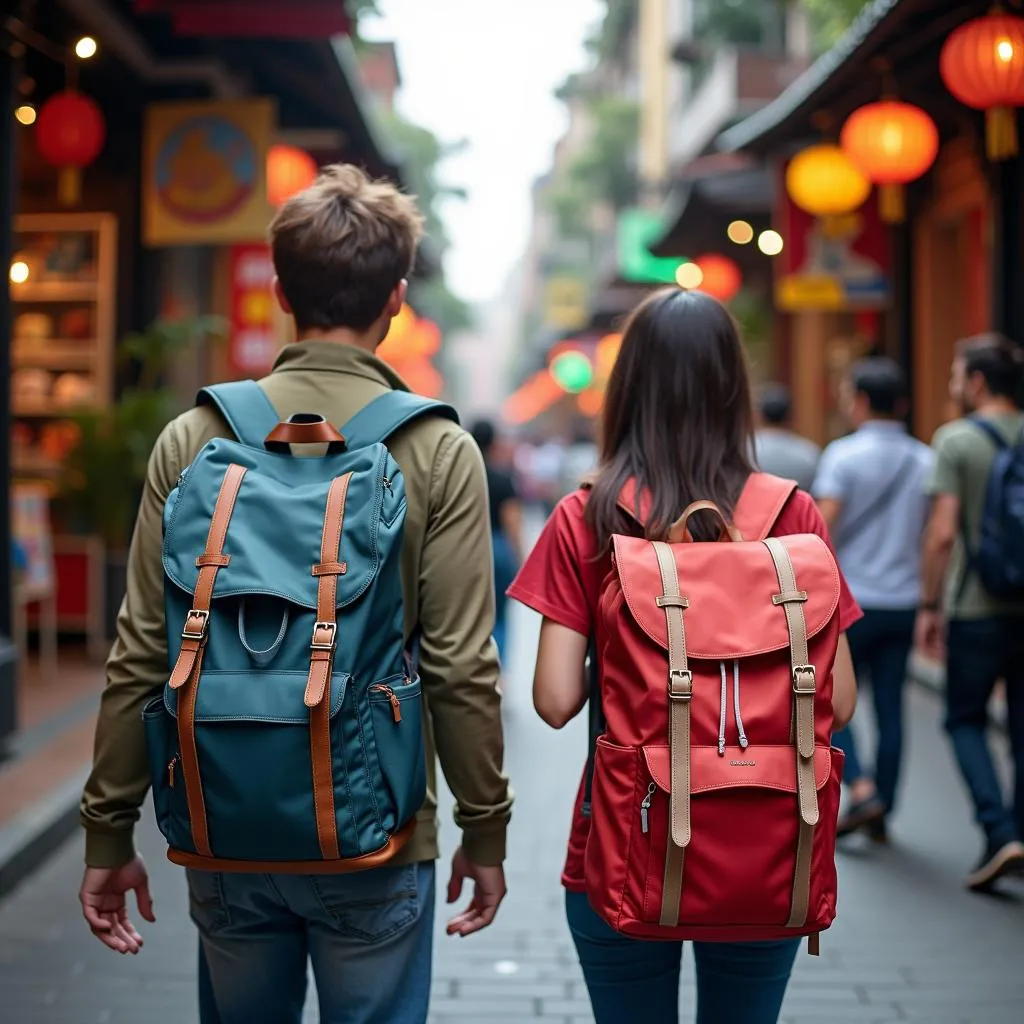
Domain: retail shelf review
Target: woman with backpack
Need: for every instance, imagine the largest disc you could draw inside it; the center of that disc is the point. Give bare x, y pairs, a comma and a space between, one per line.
677, 428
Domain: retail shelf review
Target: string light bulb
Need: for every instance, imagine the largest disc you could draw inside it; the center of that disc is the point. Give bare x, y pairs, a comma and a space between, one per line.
25, 114
85, 48
19, 272
770, 243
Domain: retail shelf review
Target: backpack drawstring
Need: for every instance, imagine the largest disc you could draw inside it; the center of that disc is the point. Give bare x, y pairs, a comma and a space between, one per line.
721, 719
736, 702
744, 743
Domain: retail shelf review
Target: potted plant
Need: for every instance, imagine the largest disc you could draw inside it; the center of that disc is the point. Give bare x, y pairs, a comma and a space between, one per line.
105, 472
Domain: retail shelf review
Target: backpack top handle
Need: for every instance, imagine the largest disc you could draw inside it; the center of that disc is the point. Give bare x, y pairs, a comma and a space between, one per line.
678, 532
304, 428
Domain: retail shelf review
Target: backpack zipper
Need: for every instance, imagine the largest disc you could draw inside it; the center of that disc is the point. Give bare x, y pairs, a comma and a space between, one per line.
396, 704
736, 704
388, 485
170, 770
721, 712
645, 808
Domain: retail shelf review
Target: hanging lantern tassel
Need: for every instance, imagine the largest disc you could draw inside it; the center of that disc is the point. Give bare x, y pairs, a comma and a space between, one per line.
69, 186
1001, 132
892, 203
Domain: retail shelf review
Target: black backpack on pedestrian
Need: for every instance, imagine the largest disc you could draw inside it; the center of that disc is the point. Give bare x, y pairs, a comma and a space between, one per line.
999, 560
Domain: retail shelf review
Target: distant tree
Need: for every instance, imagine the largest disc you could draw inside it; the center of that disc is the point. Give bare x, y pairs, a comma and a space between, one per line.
831, 18
422, 153
606, 169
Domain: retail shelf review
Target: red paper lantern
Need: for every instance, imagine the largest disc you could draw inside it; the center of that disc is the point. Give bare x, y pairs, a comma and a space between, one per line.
722, 278
70, 132
982, 64
289, 171
891, 143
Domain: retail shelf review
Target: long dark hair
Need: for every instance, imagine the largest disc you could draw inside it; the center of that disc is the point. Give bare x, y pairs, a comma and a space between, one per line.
677, 416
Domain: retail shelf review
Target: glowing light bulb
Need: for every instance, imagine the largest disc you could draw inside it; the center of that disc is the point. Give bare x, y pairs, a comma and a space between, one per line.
85, 48
740, 232
770, 243
26, 114
689, 276
1004, 50
19, 272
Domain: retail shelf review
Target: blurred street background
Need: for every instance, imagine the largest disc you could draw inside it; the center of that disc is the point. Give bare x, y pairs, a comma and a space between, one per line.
570, 156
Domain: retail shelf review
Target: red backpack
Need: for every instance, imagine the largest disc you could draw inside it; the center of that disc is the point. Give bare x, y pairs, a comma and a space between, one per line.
715, 789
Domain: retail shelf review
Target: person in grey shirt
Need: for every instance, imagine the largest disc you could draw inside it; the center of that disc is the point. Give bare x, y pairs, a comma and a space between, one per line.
777, 448
870, 488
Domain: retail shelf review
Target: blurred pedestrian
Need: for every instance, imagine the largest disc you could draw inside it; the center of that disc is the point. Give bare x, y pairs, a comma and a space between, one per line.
778, 448
682, 364
341, 251
870, 489
980, 636
506, 513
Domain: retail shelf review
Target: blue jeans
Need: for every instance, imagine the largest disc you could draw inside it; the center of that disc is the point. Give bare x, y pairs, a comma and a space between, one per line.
980, 652
504, 573
368, 935
632, 979
880, 644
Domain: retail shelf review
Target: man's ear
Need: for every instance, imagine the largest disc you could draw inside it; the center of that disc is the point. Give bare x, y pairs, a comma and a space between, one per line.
397, 299
282, 299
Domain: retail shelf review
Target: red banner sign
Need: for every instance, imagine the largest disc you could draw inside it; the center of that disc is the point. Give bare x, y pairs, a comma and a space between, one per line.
254, 343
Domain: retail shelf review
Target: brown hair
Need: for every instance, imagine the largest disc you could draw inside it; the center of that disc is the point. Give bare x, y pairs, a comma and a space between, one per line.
998, 361
677, 416
342, 246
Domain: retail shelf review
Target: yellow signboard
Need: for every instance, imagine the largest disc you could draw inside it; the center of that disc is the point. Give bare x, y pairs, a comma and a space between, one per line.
205, 172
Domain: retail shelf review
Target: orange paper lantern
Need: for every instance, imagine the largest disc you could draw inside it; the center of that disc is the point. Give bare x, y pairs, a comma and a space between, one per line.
70, 132
823, 181
982, 64
722, 278
289, 171
891, 143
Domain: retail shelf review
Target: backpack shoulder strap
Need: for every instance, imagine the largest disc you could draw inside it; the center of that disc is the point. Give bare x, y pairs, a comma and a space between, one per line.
244, 404
990, 428
634, 506
760, 504
379, 419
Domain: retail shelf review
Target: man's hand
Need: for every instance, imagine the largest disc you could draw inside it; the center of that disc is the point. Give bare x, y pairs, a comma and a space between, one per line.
488, 892
105, 909
930, 634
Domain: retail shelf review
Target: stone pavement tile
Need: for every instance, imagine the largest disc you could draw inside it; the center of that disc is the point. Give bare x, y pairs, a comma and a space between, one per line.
502, 988
485, 1009
563, 1008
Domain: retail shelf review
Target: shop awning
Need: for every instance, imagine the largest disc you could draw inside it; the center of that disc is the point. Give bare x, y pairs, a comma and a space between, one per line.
266, 19
707, 196
901, 32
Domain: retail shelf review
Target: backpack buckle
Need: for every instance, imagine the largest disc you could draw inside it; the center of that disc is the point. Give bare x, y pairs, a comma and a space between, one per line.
683, 679
203, 618
804, 671
321, 643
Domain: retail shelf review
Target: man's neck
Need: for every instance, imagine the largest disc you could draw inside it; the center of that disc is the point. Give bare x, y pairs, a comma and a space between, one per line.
366, 340
998, 405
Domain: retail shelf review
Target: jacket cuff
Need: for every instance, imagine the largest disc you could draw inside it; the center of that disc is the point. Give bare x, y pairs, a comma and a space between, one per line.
108, 849
484, 844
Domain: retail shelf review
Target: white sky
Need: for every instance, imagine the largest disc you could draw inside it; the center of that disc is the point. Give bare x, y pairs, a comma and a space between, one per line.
484, 70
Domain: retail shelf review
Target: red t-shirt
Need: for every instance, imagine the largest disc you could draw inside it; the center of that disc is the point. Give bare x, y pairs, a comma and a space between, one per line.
562, 580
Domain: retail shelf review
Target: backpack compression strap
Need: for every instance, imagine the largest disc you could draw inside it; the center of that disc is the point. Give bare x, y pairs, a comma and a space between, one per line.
387, 413
244, 404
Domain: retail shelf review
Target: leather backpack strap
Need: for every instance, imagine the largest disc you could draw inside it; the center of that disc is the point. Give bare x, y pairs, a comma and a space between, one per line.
760, 504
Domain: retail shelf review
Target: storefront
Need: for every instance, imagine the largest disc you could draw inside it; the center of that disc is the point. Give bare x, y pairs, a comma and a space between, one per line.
906, 282
149, 142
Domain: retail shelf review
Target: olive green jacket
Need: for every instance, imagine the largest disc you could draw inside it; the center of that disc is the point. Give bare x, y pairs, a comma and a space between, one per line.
447, 579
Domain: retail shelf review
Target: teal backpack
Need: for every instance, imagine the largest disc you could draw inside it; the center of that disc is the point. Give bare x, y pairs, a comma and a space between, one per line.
289, 735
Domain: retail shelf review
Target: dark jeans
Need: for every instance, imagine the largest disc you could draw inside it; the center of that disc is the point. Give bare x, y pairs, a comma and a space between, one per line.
880, 644
636, 980
504, 573
981, 652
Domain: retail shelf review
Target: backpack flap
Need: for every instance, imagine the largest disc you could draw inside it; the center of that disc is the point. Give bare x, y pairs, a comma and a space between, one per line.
277, 524
728, 587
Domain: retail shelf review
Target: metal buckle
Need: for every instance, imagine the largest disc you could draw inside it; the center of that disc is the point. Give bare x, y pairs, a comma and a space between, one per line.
204, 619
330, 627
804, 670
685, 678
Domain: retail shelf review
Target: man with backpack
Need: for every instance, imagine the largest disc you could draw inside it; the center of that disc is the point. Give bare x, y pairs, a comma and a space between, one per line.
304, 604
972, 600
870, 490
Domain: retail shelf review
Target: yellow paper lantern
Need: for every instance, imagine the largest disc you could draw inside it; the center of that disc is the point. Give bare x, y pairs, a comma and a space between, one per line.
824, 181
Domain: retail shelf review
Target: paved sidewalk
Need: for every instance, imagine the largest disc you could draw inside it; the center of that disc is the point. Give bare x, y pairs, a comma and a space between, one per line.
909, 945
